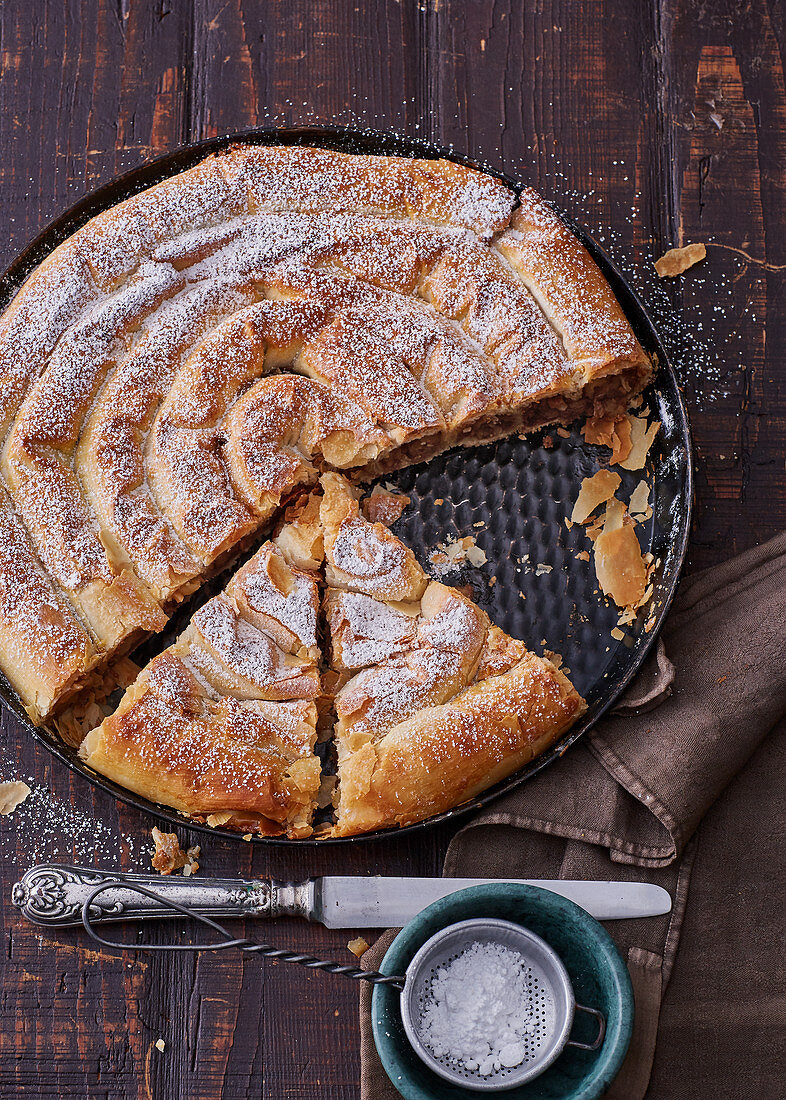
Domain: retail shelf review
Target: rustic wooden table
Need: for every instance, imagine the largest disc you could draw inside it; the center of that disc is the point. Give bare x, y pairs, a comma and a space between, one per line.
652, 123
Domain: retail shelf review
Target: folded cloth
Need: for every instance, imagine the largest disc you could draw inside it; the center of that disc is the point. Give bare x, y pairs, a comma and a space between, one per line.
632, 794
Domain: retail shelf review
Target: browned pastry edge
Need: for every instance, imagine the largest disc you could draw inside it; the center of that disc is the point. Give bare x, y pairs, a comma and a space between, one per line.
446, 755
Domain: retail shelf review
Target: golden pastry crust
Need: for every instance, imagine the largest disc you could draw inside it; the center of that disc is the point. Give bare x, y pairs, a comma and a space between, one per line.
224, 721
170, 743
364, 631
573, 294
445, 755
41, 640
319, 180
362, 556
179, 368
416, 677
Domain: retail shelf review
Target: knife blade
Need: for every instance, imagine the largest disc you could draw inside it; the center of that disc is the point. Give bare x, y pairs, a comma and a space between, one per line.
54, 895
351, 902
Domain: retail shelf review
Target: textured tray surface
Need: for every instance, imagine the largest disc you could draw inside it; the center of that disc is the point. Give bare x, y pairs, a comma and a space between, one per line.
517, 491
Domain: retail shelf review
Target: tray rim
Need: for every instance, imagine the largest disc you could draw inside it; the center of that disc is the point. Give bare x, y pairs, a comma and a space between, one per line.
381, 142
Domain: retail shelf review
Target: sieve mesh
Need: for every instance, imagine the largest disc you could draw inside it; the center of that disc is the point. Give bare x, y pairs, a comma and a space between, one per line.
549, 993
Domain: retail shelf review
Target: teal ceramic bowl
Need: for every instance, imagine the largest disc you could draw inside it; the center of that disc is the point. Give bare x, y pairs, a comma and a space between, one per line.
598, 975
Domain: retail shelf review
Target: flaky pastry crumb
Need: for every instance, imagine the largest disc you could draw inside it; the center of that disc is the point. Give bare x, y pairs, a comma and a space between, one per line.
169, 856
12, 795
677, 260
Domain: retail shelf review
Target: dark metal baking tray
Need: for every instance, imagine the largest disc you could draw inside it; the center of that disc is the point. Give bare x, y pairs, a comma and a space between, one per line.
512, 496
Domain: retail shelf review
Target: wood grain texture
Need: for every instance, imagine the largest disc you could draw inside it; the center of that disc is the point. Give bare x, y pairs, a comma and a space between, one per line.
652, 124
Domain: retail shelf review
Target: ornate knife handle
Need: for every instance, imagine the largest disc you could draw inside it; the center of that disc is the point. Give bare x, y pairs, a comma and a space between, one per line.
53, 895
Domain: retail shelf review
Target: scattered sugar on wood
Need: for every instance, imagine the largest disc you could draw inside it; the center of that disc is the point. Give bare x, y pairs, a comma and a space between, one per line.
12, 795
49, 829
677, 260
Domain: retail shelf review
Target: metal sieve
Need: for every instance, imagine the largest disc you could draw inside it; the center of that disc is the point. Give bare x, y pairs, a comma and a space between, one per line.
551, 1002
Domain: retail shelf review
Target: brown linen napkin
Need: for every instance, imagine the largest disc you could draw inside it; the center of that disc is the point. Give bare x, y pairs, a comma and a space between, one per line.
633, 793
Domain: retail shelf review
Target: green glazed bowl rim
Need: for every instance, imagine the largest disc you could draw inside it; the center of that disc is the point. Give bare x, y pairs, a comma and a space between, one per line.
470, 903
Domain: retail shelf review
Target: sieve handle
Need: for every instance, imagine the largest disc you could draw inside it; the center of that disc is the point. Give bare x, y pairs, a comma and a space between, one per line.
598, 1041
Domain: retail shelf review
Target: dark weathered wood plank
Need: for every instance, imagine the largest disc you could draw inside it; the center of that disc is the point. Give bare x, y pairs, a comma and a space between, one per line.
729, 143
310, 61
86, 90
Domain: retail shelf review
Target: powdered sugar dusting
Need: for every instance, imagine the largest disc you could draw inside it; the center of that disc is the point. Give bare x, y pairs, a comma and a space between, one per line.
454, 628
296, 609
242, 648
368, 630
51, 299
370, 562
482, 1010
378, 698
48, 829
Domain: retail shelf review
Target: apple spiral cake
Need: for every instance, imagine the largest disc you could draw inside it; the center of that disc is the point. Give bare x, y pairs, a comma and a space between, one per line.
195, 357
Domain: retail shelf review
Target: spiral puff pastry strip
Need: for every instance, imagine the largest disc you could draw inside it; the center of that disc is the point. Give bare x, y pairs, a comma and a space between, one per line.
37, 464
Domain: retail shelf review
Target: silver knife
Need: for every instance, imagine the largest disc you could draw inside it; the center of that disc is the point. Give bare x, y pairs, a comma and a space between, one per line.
53, 895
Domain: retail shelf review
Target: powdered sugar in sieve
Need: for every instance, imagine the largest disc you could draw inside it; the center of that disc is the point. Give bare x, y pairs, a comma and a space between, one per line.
488, 1005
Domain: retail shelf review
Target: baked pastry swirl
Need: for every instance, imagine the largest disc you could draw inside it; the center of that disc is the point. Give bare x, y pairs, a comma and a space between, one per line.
428, 703
225, 720
192, 358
